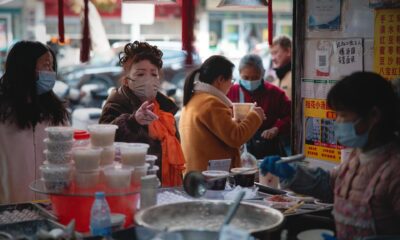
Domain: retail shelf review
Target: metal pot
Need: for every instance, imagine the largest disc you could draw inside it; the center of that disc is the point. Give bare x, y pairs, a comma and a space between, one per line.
208, 215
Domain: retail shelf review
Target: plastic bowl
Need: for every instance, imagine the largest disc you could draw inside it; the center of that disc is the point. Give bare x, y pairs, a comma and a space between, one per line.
217, 184
60, 133
107, 155
58, 157
151, 159
153, 170
55, 173
138, 172
58, 146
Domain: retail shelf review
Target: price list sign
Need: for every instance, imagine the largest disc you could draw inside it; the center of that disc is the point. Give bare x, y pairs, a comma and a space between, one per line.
387, 43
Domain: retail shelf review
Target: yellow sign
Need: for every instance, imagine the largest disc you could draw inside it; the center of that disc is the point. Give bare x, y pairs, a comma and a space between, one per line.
319, 138
387, 43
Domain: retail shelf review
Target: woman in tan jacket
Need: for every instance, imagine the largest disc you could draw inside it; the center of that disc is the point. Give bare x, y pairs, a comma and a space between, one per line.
207, 129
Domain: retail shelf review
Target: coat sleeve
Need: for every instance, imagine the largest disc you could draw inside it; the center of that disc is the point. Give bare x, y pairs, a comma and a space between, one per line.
129, 130
218, 119
313, 182
283, 122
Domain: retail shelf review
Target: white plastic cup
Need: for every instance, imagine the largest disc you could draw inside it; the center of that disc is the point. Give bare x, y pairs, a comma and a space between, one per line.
117, 176
240, 110
86, 159
139, 172
57, 157
151, 159
107, 155
87, 179
102, 135
134, 154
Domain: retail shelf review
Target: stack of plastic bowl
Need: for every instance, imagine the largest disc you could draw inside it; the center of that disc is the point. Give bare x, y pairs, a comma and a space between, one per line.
153, 169
134, 155
57, 169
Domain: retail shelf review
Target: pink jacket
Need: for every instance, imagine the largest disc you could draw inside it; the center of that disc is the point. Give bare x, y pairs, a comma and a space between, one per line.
21, 154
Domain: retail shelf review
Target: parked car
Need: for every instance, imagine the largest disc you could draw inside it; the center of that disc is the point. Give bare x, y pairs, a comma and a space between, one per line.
100, 74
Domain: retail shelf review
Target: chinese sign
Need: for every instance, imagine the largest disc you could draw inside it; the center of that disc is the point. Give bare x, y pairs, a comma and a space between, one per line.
316, 88
319, 140
324, 14
348, 55
387, 43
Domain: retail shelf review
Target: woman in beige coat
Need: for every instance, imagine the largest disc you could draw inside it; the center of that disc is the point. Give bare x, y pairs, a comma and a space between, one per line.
27, 106
207, 128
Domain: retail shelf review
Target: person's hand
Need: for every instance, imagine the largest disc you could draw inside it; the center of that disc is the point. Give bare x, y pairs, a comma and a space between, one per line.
144, 115
270, 133
282, 170
259, 111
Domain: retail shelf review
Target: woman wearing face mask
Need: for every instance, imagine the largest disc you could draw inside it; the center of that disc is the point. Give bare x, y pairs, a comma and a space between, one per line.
206, 125
252, 88
365, 188
27, 106
143, 114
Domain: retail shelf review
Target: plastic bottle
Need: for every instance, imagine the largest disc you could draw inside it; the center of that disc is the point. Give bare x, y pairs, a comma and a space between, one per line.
82, 138
100, 216
148, 191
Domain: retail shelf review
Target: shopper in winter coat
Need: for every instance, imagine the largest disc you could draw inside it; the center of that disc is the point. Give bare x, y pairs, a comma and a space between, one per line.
27, 106
207, 128
143, 114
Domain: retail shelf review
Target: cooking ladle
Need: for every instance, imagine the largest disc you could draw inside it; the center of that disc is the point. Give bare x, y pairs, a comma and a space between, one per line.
194, 183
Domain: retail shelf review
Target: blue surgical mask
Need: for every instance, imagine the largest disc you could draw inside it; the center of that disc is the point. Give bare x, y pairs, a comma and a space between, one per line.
46, 81
250, 85
345, 133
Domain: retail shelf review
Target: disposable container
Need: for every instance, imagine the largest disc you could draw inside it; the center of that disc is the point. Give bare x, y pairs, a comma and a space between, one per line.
240, 110
102, 135
107, 155
118, 177
217, 184
57, 157
134, 154
87, 179
58, 146
60, 133
86, 159
151, 159
138, 172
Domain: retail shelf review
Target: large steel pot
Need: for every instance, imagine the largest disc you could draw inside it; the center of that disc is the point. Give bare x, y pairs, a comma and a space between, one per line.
208, 215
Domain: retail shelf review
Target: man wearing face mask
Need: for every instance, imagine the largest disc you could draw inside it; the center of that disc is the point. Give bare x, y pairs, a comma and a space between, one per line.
252, 88
365, 188
143, 114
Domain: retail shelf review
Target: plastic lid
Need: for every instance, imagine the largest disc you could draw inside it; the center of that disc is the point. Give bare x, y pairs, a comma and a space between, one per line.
81, 135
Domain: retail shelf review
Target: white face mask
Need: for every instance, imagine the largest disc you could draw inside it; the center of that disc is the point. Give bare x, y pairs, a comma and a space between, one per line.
144, 87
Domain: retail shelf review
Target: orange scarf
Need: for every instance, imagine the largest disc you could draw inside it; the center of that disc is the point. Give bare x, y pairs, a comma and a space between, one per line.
173, 161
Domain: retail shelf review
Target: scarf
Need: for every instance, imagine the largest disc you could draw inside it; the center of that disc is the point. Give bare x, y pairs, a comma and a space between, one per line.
281, 72
172, 164
204, 87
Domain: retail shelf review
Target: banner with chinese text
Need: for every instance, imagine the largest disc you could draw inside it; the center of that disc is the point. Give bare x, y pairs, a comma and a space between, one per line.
387, 43
319, 138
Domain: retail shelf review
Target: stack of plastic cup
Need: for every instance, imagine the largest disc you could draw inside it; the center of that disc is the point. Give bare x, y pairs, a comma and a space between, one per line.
87, 162
103, 135
57, 169
134, 155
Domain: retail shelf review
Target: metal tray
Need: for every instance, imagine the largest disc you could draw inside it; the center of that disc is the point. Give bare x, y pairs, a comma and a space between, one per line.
27, 229
21, 212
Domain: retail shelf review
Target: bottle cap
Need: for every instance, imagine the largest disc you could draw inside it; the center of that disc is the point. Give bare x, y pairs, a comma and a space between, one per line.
99, 194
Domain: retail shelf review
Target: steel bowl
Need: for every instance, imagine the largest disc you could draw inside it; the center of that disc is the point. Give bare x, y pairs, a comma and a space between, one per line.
208, 215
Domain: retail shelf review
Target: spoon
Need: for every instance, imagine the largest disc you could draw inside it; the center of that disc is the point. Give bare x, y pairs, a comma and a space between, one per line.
194, 183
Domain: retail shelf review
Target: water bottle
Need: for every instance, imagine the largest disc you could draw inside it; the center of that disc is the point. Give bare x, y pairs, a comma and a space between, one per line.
100, 216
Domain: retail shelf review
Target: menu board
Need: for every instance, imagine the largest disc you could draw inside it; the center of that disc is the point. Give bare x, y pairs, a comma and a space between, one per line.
319, 137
